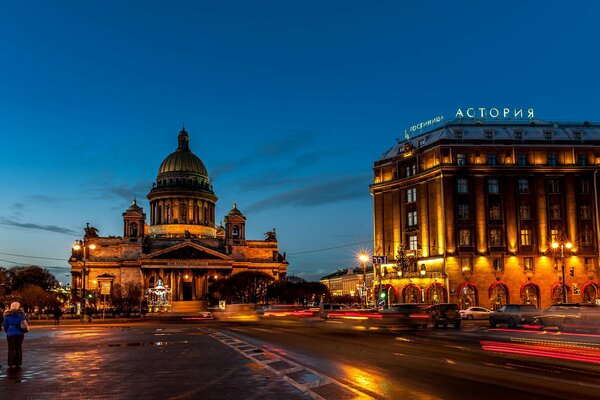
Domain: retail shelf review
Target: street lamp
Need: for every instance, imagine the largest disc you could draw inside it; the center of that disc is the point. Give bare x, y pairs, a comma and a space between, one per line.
85, 248
363, 258
568, 245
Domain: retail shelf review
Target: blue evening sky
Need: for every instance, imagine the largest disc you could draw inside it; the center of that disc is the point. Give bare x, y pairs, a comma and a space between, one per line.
287, 103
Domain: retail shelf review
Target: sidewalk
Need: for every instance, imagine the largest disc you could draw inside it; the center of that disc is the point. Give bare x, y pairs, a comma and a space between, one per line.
135, 361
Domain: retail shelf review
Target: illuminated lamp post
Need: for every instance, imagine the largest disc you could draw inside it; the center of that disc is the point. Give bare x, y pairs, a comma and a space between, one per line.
85, 248
363, 258
568, 245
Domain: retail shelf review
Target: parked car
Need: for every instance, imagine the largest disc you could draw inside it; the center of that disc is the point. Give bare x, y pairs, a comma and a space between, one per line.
513, 315
475, 313
445, 314
571, 316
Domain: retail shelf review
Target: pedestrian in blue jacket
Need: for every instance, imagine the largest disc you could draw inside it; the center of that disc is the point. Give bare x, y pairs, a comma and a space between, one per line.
14, 334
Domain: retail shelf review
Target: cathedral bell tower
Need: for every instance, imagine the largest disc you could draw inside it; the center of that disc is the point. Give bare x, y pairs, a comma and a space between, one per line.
235, 227
134, 223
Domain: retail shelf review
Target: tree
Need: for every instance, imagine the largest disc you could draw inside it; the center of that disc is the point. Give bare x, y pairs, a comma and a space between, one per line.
245, 287
297, 291
127, 297
31, 296
19, 277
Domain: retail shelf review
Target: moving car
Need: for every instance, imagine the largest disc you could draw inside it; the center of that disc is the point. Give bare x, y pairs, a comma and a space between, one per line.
571, 316
326, 308
445, 314
513, 315
475, 313
397, 316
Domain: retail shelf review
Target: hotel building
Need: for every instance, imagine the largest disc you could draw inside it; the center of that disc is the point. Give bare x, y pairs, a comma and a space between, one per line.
467, 213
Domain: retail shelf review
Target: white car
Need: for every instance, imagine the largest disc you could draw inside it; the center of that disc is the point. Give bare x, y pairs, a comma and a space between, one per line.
475, 313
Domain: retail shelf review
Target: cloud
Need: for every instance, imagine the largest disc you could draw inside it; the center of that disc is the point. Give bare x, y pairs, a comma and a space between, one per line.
49, 228
325, 192
125, 192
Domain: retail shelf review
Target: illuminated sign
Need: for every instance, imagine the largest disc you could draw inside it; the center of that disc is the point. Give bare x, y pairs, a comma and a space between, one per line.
496, 113
421, 125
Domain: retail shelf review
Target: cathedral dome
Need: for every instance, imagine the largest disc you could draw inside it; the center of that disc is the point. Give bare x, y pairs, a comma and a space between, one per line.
182, 160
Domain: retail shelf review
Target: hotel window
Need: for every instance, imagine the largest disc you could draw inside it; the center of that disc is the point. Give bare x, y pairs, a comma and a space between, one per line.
577, 135
525, 237
555, 211
421, 142
528, 264
465, 264
495, 237
464, 237
493, 185
552, 159
412, 243
463, 211
581, 160
462, 185
498, 264
586, 236
553, 186
524, 211
523, 185
411, 195
411, 219
585, 212
584, 186
547, 135
495, 212
588, 263
554, 235
460, 160
489, 135
411, 170
518, 135
522, 160
491, 159
458, 134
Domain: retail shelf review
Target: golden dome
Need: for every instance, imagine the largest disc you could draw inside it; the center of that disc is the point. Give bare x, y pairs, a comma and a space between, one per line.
183, 160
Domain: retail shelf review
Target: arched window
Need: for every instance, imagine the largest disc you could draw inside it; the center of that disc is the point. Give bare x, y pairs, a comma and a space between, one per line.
133, 229
499, 295
591, 292
557, 293
436, 293
467, 295
530, 294
412, 294
235, 232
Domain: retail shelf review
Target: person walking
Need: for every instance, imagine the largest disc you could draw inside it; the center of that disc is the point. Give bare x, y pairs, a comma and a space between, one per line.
14, 334
1, 319
57, 314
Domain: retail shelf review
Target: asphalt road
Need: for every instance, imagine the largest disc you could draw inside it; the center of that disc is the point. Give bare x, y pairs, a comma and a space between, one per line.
299, 359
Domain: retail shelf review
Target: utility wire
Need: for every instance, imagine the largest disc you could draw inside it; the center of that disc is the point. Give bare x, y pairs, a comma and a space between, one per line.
26, 256
329, 248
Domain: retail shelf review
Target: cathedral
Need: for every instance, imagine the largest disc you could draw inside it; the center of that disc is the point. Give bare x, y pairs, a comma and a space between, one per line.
181, 253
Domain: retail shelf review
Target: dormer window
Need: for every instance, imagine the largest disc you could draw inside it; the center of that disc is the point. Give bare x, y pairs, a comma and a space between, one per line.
548, 135
489, 135
458, 135
235, 232
518, 135
577, 135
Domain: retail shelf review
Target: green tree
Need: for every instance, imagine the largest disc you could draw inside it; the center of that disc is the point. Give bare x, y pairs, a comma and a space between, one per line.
245, 287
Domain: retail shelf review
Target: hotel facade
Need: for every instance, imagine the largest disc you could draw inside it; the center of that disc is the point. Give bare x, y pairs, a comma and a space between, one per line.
488, 213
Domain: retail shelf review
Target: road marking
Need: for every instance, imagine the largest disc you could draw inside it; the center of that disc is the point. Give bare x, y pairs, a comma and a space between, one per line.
312, 379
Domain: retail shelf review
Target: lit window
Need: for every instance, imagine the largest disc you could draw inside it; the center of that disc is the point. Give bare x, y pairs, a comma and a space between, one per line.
462, 185
495, 237
411, 195
528, 264
493, 185
522, 160
463, 211
498, 264
525, 237
495, 212
411, 219
552, 159
586, 236
411, 170
523, 185
412, 242
464, 238
465, 264
554, 235
460, 160
491, 159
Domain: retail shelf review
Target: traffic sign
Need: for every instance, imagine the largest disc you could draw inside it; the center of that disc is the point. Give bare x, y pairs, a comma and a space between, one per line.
380, 302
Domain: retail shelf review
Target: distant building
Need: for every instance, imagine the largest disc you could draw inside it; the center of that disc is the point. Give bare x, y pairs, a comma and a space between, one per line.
181, 253
349, 281
468, 212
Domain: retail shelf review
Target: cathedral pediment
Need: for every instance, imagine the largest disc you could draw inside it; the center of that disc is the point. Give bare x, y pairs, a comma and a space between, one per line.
187, 251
